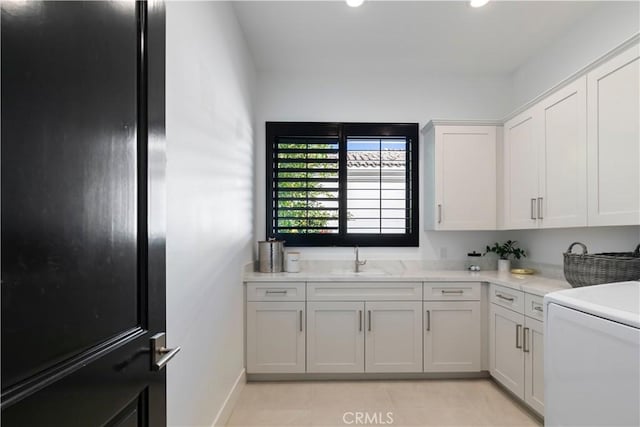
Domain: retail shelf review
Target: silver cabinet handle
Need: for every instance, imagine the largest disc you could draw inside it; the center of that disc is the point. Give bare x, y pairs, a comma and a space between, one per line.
360, 317
518, 329
300, 320
511, 299
533, 209
540, 208
428, 320
538, 308
276, 292
456, 292
526, 340
439, 214
369, 315
160, 354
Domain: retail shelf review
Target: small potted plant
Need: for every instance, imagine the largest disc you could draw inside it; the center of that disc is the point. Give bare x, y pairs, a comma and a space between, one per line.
504, 251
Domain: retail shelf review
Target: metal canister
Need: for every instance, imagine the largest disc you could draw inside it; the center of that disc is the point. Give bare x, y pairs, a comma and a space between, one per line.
270, 256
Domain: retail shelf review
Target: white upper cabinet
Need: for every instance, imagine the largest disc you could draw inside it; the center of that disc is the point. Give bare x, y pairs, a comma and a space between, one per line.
460, 171
562, 195
545, 162
521, 171
614, 140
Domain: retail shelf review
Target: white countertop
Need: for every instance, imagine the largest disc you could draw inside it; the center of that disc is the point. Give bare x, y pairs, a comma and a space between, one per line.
532, 284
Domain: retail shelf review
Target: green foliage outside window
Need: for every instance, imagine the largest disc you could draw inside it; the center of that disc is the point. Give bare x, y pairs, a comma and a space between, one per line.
305, 193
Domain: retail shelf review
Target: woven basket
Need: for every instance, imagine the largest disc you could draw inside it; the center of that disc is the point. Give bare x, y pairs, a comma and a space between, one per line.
586, 269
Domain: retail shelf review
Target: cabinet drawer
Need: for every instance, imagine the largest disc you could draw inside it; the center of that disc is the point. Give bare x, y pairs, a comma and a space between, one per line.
507, 297
275, 291
446, 291
360, 291
533, 306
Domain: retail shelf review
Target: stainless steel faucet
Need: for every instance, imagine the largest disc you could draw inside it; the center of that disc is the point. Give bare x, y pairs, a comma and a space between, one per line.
358, 262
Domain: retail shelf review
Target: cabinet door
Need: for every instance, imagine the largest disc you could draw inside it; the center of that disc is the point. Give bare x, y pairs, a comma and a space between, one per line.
335, 337
275, 337
465, 177
613, 108
506, 358
563, 157
393, 341
533, 349
452, 336
521, 171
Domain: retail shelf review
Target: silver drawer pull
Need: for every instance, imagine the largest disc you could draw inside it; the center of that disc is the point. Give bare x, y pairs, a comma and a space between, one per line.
301, 321
511, 299
276, 292
457, 292
538, 308
540, 208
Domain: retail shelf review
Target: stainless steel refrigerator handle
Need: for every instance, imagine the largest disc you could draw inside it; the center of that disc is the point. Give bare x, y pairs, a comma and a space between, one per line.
540, 208
518, 329
160, 354
526, 340
428, 320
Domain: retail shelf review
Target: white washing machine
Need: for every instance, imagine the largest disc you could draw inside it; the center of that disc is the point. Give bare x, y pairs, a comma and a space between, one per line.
592, 356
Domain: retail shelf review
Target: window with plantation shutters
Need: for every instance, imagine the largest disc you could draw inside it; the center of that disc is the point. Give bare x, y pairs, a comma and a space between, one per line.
340, 184
305, 185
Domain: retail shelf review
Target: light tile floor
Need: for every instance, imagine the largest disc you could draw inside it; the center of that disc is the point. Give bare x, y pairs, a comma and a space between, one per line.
410, 403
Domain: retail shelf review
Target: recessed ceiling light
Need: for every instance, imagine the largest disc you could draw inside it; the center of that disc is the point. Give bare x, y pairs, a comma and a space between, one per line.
355, 3
478, 3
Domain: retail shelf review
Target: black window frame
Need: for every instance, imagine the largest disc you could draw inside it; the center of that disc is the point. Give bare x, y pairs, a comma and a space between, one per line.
342, 130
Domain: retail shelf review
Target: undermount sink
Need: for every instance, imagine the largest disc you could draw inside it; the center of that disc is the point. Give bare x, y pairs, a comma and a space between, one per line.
371, 272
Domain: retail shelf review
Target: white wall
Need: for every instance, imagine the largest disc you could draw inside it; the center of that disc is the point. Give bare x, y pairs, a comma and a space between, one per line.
370, 96
610, 24
210, 80
547, 246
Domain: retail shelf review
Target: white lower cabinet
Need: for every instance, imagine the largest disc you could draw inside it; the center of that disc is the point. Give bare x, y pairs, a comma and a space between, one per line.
452, 336
516, 348
335, 336
505, 351
533, 349
275, 337
393, 340
298, 328
372, 336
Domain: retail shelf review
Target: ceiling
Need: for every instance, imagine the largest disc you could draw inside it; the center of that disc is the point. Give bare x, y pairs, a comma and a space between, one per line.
423, 36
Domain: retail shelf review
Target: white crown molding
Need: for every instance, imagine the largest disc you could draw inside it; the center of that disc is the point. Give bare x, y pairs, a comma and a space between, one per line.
469, 122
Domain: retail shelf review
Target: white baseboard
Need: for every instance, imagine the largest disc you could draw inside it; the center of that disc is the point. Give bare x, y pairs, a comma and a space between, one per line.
227, 407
